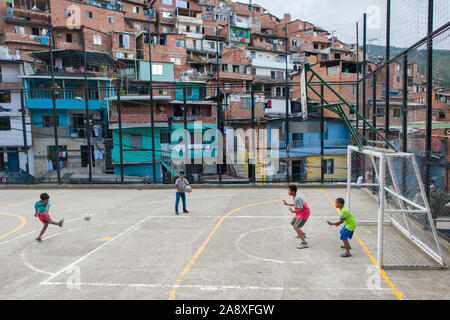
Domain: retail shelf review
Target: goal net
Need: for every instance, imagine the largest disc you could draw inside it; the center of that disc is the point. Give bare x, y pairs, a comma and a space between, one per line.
386, 195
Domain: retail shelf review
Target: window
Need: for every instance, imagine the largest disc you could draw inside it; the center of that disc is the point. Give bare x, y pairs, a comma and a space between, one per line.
68, 37
5, 124
135, 9
97, 39
225, 68
272, 75
246, 103
253, 54
111, 20
5, 96
256, 22
329, 166
35, 32
167, 15
337, 56
157, 69
166, 30
396, 113
196, 110
176, 60
19, 30
167, 2
67, 13
124, 41
181, 43
163, 92
138, 26
316, 46
89, 14
398, 79
135, 141
253, 71
380, 112
235, 69
47, 121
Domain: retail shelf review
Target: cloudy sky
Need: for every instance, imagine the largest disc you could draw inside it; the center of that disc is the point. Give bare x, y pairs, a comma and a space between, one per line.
408, 17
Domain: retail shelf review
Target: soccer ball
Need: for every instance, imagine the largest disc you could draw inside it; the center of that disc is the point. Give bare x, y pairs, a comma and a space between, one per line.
87, 217
188, 189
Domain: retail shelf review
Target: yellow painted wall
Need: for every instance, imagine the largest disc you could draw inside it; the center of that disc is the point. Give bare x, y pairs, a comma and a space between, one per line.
340, 165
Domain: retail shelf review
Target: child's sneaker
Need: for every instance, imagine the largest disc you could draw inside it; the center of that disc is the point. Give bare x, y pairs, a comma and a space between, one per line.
303, 245
38, 239
346, 255
61, 223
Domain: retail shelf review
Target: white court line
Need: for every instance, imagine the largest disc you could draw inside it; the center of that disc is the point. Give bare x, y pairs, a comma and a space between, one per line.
206, 287
236, 243
95, 250
32, 267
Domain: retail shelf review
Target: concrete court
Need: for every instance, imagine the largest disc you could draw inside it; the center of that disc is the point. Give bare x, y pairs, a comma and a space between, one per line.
234, 244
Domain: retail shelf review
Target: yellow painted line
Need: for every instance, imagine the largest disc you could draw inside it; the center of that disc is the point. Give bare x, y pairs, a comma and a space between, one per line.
22, 219
374, 261
106, 238
186, 269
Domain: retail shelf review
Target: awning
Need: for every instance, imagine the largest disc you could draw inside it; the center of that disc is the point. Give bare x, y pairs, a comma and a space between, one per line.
75, 58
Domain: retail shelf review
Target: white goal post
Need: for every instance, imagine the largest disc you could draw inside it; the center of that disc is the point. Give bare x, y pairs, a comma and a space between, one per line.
390, 183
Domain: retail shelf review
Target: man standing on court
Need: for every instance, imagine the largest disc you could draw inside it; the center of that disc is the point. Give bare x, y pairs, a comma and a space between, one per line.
180, 185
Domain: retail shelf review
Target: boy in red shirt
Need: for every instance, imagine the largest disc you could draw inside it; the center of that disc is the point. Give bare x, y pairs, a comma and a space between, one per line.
301, 212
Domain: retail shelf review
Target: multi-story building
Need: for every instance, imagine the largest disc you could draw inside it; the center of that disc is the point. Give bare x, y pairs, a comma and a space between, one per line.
13, 156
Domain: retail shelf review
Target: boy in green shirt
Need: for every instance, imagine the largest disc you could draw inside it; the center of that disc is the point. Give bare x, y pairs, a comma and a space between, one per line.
349, 227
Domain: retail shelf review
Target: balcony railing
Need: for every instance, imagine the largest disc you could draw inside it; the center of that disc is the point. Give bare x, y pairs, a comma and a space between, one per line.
329, 143
66, 94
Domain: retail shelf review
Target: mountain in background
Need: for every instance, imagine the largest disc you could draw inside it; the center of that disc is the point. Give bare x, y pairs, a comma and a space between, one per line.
441, 61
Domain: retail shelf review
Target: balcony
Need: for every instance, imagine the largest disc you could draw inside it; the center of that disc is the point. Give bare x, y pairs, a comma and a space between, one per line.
65, 99
329, 143
271, 63
27, 38
190, 20
192, 35
240, 23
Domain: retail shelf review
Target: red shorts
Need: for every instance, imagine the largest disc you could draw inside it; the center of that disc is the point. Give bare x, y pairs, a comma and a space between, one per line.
42, 217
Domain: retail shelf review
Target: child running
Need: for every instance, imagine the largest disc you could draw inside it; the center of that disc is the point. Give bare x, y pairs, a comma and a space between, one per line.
301, 212
42, 208
349, 227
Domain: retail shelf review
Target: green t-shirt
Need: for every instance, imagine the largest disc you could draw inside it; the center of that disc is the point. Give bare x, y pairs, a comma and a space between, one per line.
349, 219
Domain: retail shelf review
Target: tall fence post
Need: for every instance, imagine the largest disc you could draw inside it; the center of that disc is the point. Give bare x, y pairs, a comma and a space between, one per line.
55, 117
119, 113
152, 111
86, 99
322, 137
357, 74
388, 57
186, 147
429, 117
374, 105
24, 126
364, 95
253, 166
405, 105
